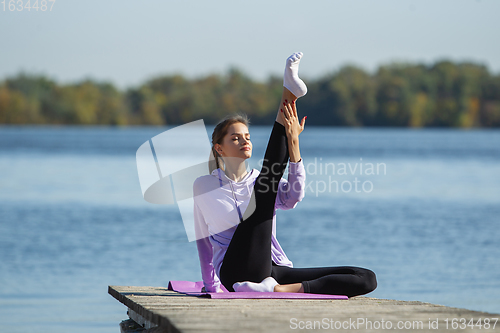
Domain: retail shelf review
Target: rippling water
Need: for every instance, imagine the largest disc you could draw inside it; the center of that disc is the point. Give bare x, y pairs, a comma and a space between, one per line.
73, 221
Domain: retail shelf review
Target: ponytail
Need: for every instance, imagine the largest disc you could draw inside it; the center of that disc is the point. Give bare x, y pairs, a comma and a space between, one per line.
215, 161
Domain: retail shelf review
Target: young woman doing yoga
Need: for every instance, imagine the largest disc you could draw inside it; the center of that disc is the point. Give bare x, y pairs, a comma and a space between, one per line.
235, 210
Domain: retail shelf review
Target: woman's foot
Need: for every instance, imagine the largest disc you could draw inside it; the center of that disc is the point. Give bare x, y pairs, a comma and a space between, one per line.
267, 285
291, 80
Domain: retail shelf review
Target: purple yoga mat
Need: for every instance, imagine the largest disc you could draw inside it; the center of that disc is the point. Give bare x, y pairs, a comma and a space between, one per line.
194, 289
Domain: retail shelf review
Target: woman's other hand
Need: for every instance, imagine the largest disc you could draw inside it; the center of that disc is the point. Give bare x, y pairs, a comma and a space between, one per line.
293, 128
291, 120
219, 290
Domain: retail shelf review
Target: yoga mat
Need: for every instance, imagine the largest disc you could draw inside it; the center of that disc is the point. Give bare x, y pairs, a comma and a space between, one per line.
194, 289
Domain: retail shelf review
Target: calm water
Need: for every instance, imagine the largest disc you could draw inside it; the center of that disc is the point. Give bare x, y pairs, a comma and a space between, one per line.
73, 221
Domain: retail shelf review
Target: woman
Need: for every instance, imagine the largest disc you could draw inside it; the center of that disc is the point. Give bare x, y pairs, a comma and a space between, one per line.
235, 210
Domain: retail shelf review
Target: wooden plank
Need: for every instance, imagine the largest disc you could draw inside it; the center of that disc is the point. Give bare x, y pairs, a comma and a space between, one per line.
136, 298
177, 312
140, 319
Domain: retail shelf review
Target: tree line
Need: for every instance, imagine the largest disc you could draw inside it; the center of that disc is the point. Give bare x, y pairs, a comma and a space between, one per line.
444, 94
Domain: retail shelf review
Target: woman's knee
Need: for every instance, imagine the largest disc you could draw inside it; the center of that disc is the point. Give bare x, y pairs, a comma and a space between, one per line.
369, 281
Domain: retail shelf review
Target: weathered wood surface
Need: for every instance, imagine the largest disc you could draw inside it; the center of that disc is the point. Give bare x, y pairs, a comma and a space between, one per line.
177, 312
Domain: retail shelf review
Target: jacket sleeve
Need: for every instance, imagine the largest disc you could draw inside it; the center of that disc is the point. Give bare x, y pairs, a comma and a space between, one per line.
292, 191
205, 252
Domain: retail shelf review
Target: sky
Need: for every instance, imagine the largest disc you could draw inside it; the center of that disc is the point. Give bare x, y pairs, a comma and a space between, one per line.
128, 42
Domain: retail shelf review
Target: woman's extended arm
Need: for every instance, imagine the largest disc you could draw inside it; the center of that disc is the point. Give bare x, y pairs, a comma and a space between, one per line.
211, 281
292, 191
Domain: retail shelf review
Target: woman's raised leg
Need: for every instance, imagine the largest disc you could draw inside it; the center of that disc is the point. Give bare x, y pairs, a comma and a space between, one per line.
248, 257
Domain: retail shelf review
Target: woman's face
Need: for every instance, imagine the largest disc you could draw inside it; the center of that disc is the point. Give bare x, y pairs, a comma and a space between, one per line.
236, 143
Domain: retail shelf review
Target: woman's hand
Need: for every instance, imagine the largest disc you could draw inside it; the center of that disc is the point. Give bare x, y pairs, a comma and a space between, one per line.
293, 129
291, 120
219, 290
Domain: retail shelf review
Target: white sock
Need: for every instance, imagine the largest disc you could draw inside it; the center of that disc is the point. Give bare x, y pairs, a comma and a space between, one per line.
267, 285
291, 80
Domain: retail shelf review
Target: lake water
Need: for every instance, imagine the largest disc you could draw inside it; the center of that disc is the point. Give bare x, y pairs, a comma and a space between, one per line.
73, 220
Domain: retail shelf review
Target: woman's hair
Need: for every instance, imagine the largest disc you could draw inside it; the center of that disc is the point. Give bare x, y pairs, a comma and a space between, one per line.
215, 160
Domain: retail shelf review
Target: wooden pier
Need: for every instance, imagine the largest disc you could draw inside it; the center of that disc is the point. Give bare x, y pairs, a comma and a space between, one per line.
157, 309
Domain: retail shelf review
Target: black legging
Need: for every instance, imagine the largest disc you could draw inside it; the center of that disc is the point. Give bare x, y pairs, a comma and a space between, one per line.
248, 256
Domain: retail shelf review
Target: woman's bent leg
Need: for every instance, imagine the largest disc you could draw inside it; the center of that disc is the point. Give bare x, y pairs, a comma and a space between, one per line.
344, 280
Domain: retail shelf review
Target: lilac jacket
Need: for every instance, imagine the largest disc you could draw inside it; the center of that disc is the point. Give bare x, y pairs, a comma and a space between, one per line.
218, 204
